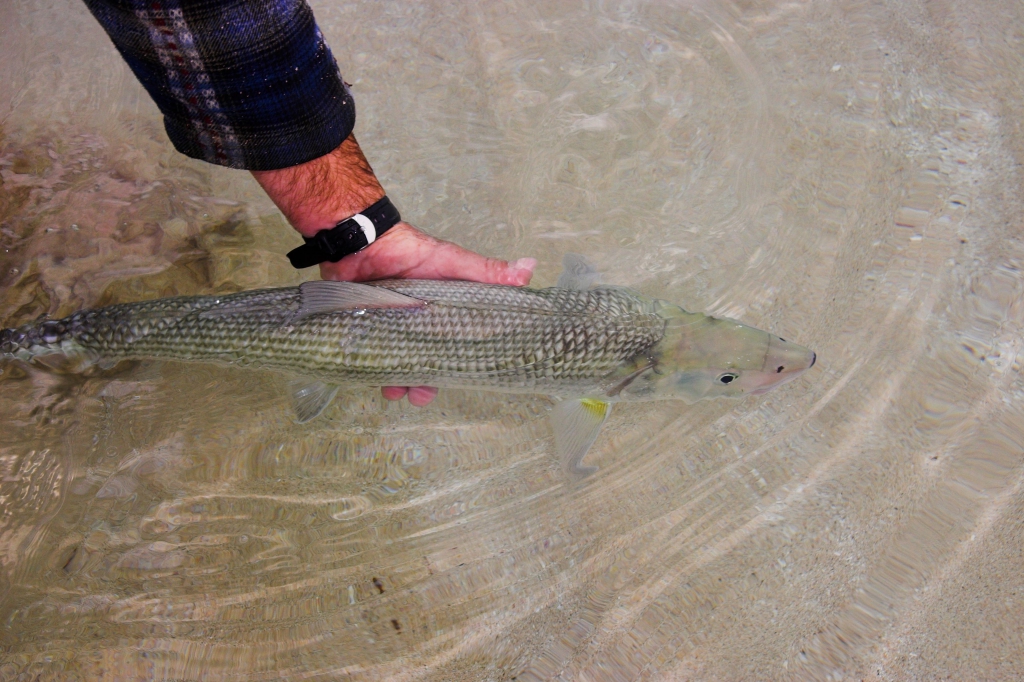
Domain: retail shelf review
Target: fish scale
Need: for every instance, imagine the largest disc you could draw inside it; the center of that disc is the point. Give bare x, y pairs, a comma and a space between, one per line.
557, 341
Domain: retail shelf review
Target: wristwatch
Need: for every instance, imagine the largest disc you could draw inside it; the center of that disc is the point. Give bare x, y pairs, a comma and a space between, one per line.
347, 237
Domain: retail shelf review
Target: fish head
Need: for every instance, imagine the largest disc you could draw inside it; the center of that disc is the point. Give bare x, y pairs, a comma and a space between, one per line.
707, 357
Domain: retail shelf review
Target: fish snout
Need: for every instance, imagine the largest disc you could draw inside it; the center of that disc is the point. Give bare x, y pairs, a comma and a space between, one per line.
784, 361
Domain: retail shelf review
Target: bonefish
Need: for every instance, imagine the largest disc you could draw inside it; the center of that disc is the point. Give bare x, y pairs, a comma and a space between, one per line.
589, 345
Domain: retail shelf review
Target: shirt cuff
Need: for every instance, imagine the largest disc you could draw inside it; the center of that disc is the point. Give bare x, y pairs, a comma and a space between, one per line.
240, 83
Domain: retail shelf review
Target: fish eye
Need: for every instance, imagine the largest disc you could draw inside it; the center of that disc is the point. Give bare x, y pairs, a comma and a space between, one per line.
727, 378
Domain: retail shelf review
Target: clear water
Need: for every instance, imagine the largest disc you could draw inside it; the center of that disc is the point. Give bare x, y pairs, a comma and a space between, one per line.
845, 174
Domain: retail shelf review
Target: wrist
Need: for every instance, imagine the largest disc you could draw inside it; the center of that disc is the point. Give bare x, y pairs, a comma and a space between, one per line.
348, 237
320, 193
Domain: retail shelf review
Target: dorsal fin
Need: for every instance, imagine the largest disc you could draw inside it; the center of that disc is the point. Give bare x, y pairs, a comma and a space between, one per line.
322, 296
578, 273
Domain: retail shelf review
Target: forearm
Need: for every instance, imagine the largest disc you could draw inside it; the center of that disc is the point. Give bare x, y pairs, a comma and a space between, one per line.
320, 193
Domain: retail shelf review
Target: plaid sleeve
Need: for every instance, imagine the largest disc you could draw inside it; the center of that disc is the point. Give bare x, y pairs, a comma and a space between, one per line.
241, 83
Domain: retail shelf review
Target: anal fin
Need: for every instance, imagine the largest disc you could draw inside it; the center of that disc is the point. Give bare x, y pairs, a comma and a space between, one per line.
576, 424
310, 398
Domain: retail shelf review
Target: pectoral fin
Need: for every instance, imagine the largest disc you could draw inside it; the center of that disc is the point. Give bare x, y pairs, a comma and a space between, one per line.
310, 398
69, 359
576, 424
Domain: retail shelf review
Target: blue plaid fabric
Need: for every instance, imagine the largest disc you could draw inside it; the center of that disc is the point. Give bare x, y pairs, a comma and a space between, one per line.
241, 83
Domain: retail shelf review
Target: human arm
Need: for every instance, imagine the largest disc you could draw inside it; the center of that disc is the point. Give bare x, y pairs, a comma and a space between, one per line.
318, 194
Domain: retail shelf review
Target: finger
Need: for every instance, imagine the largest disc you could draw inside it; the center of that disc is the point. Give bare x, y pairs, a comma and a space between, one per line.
421, 395
394, 392
459, 263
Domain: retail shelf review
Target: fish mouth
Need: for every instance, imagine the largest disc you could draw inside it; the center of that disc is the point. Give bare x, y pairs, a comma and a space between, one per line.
779, 380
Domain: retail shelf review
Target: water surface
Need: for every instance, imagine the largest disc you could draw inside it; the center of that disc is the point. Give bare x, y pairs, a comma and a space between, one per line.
846, 175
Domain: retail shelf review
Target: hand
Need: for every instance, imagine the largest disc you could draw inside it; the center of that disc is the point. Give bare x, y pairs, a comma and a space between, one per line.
336, 186
405, 252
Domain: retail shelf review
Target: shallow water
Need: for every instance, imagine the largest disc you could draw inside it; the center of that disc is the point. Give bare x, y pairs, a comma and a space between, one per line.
846, 175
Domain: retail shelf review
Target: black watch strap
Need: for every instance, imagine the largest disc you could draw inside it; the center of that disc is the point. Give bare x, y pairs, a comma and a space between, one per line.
347, 237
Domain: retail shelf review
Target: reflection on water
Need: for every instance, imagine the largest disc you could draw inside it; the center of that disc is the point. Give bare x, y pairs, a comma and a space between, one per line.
846, 175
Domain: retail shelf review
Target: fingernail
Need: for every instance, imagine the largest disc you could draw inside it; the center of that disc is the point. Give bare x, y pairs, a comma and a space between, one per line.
527, 264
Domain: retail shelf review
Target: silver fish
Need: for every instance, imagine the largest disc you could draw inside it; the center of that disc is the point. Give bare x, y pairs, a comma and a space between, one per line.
587, 344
